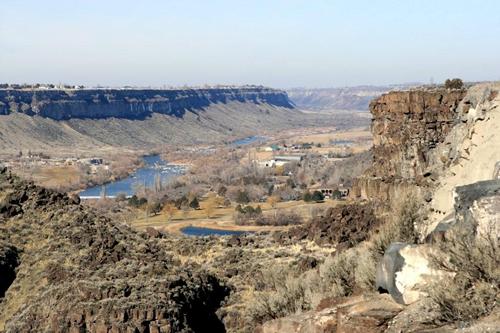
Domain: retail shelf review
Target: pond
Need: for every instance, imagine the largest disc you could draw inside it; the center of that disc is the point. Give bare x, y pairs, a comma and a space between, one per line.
199, 231
145, 176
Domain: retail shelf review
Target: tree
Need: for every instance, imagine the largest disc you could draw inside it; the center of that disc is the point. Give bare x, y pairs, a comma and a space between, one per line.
317, 196
210, 204
242, 197
169, 210
154, 208
194, 203
336, 195
222, 190
273, 200
455, 83
307, 196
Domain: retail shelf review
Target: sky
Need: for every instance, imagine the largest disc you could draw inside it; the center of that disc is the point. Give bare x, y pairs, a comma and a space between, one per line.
276, 43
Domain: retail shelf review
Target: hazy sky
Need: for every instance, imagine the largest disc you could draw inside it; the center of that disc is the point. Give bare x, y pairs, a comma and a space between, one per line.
279, 43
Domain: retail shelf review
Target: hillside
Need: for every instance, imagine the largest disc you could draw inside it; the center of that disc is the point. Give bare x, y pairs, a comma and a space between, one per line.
83, 120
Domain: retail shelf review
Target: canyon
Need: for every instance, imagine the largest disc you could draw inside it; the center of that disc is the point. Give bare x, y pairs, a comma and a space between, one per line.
72, 270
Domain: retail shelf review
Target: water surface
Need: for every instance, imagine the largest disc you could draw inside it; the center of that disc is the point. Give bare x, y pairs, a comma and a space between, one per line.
154, 167
199, 231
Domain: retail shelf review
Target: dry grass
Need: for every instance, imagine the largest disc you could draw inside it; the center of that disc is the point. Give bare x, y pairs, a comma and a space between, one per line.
223, 217
53, 176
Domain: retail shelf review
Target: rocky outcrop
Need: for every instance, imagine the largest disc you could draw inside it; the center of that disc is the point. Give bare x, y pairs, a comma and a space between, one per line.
71, 270
406, 127
343, 226
129, 103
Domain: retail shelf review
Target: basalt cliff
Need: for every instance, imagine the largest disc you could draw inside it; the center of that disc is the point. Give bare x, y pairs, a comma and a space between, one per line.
85, 119
420, 135
129, 103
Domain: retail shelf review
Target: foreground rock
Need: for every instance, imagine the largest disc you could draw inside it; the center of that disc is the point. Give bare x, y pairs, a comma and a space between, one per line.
405, 271
366, 314
70, 270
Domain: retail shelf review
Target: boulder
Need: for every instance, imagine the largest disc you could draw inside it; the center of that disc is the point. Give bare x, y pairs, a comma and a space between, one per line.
477, 207
404, 271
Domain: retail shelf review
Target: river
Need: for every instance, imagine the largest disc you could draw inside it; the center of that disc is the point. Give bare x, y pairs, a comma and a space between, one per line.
145, 176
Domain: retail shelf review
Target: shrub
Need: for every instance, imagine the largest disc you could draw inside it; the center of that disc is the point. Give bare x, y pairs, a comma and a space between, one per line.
242, 197
279, 219
282, 292
403, 227
244, 215
307, 196
136, 202
454, 84
121, 197
474, 290
194, 203
154, 208
317, 196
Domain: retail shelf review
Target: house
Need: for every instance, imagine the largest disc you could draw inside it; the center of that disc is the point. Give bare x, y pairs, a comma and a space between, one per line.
289, 158
272, 163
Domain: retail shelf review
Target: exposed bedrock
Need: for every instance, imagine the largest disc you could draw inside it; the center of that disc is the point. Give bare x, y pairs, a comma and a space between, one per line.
129, 103
406, 127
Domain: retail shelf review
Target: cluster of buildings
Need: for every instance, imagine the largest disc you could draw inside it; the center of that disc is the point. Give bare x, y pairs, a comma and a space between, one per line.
279, 160
40, 159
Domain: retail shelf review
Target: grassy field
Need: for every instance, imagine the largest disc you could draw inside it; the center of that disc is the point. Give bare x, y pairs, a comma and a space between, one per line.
361, 141
52, 176
222, 218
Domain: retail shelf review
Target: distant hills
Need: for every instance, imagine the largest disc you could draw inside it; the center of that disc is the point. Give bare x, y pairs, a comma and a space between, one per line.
348, 98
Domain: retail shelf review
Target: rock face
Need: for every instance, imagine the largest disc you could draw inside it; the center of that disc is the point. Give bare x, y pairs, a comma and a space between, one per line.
477, 206
406, 127
129, 103
70, 270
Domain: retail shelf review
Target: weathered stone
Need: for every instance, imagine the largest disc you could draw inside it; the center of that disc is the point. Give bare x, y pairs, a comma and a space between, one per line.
405, 270
364, 314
